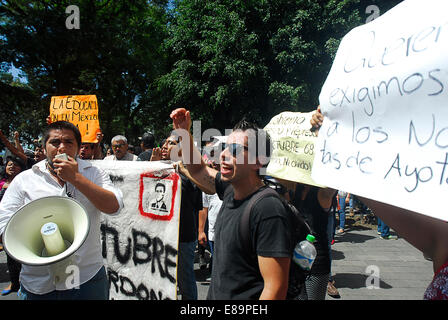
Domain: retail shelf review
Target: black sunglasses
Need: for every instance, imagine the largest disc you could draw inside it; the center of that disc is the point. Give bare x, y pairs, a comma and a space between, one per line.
235, 148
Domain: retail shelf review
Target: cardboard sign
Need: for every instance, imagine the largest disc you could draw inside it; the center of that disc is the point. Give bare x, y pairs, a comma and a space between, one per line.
385, 132
81, 110
293, 147
140, 244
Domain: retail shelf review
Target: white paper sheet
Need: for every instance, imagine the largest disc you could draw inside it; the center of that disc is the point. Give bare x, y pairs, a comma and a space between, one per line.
385, 102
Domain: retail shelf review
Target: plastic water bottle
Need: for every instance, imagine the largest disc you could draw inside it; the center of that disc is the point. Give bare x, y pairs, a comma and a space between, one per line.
305, 253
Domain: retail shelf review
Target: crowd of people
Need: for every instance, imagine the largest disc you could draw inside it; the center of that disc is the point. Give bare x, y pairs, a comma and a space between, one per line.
215, 191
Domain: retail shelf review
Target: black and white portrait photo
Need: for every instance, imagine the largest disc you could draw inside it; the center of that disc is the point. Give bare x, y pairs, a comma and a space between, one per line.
158, 202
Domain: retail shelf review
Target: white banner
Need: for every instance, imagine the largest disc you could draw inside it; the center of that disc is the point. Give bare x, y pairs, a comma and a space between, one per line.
140, 243
385, 102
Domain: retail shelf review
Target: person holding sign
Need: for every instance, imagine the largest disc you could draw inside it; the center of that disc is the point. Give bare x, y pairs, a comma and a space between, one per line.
237, 274
315, 204
76, 178
191, 203
427, 234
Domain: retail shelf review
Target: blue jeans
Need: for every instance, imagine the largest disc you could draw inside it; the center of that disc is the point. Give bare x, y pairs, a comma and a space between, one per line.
185, 271
96, 288
211, 244
342, 212
383, 228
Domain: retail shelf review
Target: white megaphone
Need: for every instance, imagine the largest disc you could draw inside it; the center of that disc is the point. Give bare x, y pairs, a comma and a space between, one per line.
47, 231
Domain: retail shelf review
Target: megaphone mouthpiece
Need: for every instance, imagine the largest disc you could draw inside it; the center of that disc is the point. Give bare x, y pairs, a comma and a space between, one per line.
54, 244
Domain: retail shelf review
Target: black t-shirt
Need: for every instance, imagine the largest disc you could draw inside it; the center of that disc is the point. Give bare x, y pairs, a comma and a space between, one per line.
235, 273
317, 218
145, 155
191, 203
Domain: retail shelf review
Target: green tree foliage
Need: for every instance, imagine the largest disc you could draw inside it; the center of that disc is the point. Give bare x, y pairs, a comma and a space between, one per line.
116, 54
254, 59
222, 59
19, 111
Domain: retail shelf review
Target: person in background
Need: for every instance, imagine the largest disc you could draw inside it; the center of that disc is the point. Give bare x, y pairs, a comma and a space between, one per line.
39, 154
384, 231
332, 291
343, 198
98, 146
13, 167
147, 144
316, 206
120, 149
87, 151
109, 152
211, 204
191, 203
17, 149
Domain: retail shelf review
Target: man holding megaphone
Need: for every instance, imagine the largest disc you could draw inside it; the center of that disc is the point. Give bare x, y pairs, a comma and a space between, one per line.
61, 174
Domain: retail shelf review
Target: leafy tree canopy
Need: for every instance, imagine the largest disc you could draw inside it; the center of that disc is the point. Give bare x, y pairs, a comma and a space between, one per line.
222, 59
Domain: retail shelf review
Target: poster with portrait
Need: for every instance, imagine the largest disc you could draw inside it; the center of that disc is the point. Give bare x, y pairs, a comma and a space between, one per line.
140, 243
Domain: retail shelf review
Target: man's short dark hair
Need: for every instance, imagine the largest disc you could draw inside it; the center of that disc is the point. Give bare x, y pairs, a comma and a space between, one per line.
148, 140
159, 184
262, 139
61, 125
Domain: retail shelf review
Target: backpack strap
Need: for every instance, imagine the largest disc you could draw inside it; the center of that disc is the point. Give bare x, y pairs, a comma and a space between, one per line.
244, 228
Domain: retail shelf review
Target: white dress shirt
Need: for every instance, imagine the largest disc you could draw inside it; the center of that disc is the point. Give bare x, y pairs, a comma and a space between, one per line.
37, 183
213, 203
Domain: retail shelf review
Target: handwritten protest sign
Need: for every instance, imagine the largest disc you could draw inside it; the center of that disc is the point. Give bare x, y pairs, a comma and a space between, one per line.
140, 243
293, 147
81, 110
385, 133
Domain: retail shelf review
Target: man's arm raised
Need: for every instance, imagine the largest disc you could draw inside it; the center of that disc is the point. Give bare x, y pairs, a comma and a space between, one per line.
196, 169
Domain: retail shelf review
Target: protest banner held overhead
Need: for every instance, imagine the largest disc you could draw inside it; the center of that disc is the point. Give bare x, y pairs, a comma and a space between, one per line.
81, 110
292, 147
385, 132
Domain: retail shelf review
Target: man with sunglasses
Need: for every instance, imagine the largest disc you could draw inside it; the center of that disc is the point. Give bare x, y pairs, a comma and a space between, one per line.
237, 274
120, 149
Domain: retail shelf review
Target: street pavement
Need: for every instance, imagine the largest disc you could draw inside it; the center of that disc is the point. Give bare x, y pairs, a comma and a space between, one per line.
402, 273
364, 266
